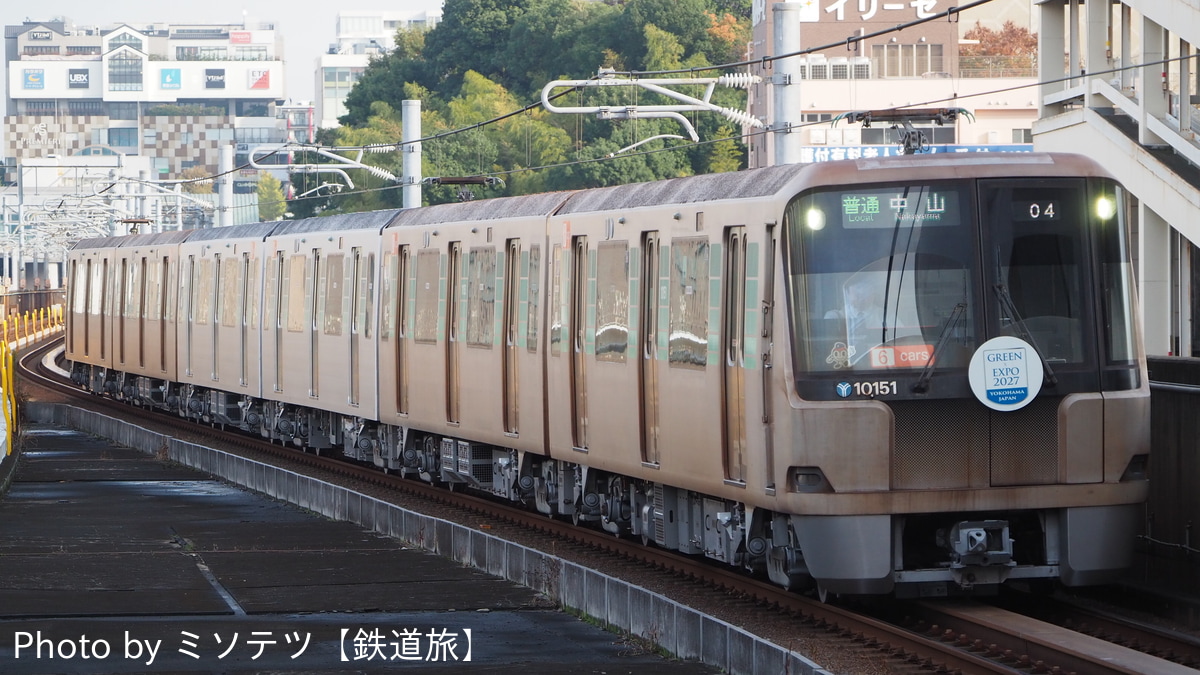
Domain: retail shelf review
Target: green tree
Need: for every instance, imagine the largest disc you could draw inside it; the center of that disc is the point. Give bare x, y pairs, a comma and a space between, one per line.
271, 204
470, 36
725, 154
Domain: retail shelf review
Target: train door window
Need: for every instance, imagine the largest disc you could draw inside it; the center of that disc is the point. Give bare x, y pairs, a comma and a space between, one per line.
356, 307
75, 293
154, 291
481, 296
218, 309
335, 282
612, 301
428, 292
557, 305
294, 288
276, 306
688, 347
388, 296
534, 304
163, 308
244, 308
578, 335
401, 276
250, 292
188, 309
365, 273
168, 306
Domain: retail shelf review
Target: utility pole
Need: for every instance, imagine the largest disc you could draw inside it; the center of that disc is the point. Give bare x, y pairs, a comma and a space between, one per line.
410, 115
788, 104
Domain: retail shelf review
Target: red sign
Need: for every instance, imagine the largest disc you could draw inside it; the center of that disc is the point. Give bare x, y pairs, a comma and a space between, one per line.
260, 78
901, 356
239, 37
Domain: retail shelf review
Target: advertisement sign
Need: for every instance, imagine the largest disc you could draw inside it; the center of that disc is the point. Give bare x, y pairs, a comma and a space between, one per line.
33, 78
1005, 373
169, 78
39, 35
214, 78
239, 37
260, 78
78, 78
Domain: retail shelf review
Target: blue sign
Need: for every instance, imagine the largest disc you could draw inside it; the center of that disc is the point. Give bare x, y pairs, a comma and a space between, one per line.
169, 78
828, 153
34, 79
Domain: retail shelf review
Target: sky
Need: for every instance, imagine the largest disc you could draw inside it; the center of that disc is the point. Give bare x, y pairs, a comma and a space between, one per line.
308, 28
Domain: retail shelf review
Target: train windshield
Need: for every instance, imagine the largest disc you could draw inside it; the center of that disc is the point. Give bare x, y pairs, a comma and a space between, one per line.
892, 288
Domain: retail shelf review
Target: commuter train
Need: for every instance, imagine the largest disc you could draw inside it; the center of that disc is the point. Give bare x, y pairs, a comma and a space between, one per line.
912, 376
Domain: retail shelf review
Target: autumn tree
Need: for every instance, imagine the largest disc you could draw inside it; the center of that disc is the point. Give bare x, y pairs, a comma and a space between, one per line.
196, 186
1008, 52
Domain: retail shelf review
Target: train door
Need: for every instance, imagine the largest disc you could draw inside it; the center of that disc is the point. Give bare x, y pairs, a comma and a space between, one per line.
189, 312
312, 287
578, 323
244, 320
122, 289
512, 282
163, 316
734, 363
219, 313
142, 288
767, 317
399, 284
453, 272
649, 361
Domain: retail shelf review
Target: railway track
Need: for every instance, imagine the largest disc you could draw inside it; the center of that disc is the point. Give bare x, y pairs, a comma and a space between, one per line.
943, 637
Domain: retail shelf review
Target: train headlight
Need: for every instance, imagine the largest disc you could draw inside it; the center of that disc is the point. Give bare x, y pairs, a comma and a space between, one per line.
1106, 208
815, 219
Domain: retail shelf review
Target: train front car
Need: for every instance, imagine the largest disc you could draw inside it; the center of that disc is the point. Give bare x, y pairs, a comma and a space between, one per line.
971, 404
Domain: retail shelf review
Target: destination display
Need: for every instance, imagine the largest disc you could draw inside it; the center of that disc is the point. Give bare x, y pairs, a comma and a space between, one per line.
904, 206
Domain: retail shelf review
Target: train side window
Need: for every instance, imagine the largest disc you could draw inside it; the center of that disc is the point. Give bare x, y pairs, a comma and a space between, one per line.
534, 304
295, 294
230, 289
688, 346
481, 296
428, 283
204, 291
335, 283
612, 301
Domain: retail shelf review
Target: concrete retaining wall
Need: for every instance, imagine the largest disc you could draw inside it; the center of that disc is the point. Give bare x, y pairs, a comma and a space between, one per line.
679, 630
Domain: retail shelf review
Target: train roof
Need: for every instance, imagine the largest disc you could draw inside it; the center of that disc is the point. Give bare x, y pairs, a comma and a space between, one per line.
689, 190
375, 220
249, 230
542, 204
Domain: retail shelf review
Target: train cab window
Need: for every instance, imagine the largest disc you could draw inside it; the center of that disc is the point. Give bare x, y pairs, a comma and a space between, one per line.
881, 277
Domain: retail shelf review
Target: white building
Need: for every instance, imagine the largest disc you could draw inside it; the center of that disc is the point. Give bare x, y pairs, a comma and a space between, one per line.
170, 92
1109, 94
361, 35
919, 66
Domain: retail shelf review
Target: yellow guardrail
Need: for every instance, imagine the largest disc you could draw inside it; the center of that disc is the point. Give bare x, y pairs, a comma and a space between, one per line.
23, 328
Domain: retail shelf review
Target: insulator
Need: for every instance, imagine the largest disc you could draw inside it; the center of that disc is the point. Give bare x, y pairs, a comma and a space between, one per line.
381, 148
741, 116
738, 80
378, 172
